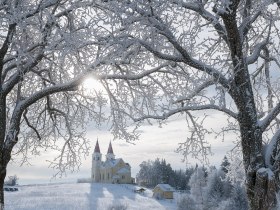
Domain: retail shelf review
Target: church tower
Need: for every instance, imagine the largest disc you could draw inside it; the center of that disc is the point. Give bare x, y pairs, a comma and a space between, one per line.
110, 154
96, 163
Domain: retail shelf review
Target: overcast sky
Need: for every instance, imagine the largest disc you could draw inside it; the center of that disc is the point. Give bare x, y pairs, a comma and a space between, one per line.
154, 142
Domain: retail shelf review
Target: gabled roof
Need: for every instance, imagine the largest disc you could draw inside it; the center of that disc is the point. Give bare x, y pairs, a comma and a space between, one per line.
111, 163
97, 149
123, 171
110, 149
165, 187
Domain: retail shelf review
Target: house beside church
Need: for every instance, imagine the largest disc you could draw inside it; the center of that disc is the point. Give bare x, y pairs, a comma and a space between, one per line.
111, 170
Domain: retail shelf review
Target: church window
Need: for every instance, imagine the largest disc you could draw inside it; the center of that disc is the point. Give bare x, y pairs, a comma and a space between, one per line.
97, 158
123, 176
108, 176
103, 176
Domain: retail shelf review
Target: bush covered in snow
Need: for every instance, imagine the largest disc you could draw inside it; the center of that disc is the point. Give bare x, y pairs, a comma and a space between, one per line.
186, 203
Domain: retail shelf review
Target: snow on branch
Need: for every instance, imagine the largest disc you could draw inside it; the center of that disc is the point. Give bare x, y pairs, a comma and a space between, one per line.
196, 91
246, 24
256, 53
265, 122
187, 108
272, 159
196, 145
132, 76
199, 8
158, 54
186, 58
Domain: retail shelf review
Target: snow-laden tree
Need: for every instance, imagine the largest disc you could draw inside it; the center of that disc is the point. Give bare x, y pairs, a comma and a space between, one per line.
238, 199
43, 47
206, 55
236, 171
186, 202
225, 165
47, 49
198, 183
218, 189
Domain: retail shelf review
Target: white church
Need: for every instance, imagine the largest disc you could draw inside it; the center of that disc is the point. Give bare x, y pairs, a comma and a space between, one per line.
111, 170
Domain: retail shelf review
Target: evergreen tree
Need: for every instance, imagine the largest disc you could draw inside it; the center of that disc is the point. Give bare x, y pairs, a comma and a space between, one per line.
225, 164
144, 176
214, 190
186, 202
238, 200
189, 172
197, 183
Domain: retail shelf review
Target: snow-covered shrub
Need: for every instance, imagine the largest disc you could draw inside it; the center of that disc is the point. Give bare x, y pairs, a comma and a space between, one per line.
119, 206
12, 180
238, 200
186, 203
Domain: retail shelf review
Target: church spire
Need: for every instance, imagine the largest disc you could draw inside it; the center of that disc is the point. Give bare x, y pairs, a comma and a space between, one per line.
110, 149
97, 149
110, 154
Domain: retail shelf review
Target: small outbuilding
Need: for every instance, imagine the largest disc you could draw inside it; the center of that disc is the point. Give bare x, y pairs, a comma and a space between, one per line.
163, 191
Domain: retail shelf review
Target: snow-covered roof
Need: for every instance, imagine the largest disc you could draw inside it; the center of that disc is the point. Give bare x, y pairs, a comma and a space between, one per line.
166, 187
110, 163
123, 171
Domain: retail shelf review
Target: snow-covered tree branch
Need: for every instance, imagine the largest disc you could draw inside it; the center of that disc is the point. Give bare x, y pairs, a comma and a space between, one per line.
223, 56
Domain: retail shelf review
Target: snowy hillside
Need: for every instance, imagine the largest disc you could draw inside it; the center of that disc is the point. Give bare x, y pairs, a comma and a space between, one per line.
82, 197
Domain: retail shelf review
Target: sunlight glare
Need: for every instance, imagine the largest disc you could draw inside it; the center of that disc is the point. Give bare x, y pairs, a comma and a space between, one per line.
91, 84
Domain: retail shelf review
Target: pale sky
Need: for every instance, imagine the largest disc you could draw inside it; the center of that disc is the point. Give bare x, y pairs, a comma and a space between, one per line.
154, 142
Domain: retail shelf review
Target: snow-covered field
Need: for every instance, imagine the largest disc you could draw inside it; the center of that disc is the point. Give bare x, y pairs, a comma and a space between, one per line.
84, 196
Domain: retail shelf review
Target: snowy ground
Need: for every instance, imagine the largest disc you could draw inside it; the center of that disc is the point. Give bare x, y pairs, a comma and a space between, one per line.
82, 197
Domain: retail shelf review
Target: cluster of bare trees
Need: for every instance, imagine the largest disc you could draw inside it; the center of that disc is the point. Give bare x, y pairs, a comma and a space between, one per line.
154, 58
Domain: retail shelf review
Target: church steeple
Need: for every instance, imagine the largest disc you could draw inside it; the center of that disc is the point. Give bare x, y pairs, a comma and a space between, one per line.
96, 163
110, 154
97, 149
110, 149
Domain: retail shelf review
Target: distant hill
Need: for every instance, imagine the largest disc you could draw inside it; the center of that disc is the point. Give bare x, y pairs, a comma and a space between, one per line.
84, 196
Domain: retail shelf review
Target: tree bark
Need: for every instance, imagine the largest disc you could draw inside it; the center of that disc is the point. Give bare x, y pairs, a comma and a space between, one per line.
260, 181
2, 179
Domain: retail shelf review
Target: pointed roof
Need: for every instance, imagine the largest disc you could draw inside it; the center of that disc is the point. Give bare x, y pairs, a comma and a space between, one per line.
97, 149
110, 149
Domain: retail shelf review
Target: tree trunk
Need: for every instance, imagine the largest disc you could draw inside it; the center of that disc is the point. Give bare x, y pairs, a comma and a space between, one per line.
261, 182
2, 179
2, 137
262, 192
